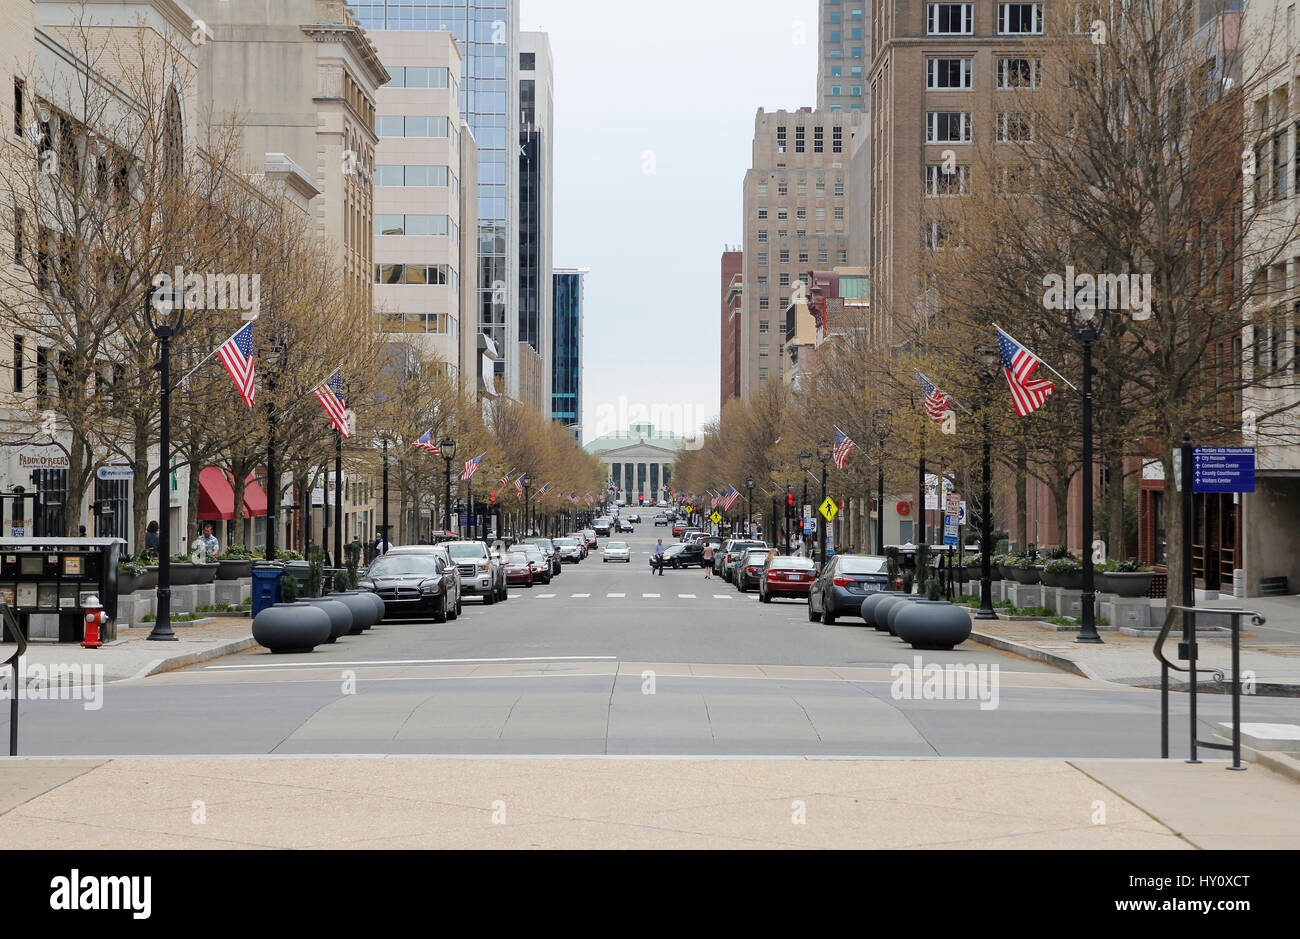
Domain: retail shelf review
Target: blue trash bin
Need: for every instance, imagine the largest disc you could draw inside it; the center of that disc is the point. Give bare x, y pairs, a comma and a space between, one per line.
266, 588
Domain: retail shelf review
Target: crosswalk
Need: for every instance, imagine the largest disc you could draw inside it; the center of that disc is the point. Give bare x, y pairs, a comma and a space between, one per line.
722, 597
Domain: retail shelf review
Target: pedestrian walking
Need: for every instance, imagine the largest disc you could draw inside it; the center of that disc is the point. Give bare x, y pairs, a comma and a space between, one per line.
708, 560
659, 558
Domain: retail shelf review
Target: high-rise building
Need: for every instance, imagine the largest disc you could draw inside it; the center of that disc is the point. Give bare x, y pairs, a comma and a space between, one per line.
796, 199
733, 264
421, 202
536, 200
566, 380
944, 79
488, 33
844, 58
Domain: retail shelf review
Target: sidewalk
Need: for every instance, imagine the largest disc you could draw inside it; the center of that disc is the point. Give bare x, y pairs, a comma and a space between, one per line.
133, 656
519, 803
1130, 660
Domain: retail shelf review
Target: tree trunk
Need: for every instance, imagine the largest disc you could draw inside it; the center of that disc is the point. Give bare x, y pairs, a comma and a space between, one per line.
1061, 502
192, 513
1022, 497
79, 474
1173, 531
1116, 543
141, 489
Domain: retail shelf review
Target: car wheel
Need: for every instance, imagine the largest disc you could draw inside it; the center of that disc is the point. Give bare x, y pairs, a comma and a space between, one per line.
489, 598
812, 614
828, 618
764, 596
460, 607
440, 611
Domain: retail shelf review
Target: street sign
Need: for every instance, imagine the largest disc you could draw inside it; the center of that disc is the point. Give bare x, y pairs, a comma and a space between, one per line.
807, 510
809, 526
20, 533
961, 516
950, 530
1223, 469
829, 509
715, 518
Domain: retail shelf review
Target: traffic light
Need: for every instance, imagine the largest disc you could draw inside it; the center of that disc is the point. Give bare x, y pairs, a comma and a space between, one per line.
641, 499
789, 498
492, 499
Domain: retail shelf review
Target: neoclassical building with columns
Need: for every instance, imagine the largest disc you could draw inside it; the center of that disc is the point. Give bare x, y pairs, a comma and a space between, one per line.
639, 462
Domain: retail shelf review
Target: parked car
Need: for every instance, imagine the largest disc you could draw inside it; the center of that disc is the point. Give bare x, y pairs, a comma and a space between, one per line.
590, 535
569, 550
842, 585
581, 540
602, 526
537, 560
786, 577
518, 569
414, 582
617, 551
661, 521
724, 561
679, 529
747, 570
480, 574
552, 553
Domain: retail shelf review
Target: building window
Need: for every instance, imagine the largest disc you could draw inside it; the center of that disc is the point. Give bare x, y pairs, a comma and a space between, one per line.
762, 189
763, 326
837, 140
1281, 165
785, 279
763, 303
762, 259
821, 213
18, 363
762, 236
839, 190
843, 256
803, 257
762, 214
19, 87
947, 73
823, 256
762, 374
782, 214
1013, 127
800, 140
801, 214
1019, 72
950, 19
821, 188
782, 189
785, 255
947, 127
780, 140
939, 182
1020, 19
801, 188
763, 350
839, 213
819, 139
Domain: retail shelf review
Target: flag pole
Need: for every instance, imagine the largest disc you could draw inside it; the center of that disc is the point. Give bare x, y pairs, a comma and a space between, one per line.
1041, 362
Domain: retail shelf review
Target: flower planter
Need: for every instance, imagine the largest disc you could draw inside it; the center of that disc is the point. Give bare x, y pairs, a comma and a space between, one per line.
1073, 580
340, 615
1004, 570
378, 603
869, 608
291, 627
128, 583
880, 613
364, 612
1125, 585
932, 624
1027, 575
149, 579
186, 574
891, 617
234, 570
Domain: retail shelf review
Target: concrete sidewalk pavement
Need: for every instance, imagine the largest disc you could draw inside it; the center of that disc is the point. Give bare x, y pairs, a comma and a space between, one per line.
432, 802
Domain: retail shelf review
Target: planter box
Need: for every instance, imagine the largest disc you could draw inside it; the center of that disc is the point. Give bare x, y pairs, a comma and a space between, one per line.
1007, 573
234, 570
1125, 585
149, 579
1070, 581
188, 575
127, 584
1026, 576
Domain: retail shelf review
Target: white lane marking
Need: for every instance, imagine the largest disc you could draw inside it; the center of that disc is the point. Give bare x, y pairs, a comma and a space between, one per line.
686, 596
721, 596
539, 658
615, 596
580, 596
649, 596
546, 596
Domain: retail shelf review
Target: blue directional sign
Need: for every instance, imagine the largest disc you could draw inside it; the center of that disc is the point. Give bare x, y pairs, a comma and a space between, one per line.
1223, 469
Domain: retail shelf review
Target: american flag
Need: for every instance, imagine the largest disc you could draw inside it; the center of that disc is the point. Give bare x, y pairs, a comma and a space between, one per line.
519, 487
471, 467
1019, 364
573, 497
506, 478
236, 354
936, 402
330, 395
426, 443
729, 498
843, 447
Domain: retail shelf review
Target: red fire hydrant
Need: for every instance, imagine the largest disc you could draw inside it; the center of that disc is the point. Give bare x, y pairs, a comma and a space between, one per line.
94, 620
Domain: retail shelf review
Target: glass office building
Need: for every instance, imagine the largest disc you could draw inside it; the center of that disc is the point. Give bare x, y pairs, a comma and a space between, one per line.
488, 33
566, 381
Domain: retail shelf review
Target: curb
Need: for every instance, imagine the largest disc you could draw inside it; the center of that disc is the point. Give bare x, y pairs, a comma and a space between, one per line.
1036, 654
185, 660
1283, 764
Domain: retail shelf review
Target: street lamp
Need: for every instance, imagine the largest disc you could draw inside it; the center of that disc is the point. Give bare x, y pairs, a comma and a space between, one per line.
804, 459
881, 423
274, 356
1088, 322
164, 314
448, 450
526, 482
749, 524
991, 359
823, 457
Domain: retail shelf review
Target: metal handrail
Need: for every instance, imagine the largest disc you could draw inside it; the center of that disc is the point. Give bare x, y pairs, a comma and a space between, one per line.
1188, 651
9, 623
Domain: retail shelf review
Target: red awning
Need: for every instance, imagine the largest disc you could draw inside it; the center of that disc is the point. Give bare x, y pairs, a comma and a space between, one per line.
217, 496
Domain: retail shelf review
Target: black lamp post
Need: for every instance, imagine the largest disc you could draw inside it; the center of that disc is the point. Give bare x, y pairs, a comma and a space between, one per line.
527, 482
1088, 323
991, 359
804, 459
274, 356
164, 313
882, 431
823, 457
386, 539
448, 450
749, 504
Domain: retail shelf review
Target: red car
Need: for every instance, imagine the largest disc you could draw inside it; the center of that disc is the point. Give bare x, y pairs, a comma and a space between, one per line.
518, 570
678, 529
786, 577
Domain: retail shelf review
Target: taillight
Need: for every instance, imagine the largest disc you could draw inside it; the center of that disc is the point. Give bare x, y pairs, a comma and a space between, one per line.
844, 582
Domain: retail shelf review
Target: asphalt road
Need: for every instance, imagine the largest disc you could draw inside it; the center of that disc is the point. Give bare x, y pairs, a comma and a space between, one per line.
609, 659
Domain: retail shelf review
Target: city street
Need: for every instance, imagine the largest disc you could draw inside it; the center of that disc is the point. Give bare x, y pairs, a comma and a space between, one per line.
609, 659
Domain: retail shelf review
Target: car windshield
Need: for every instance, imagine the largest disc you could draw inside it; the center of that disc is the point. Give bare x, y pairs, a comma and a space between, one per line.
792, 564
676, 549
466, 550
516, 557
565, 543
404, 566
532, 551
861, 565
616, 546
745, 545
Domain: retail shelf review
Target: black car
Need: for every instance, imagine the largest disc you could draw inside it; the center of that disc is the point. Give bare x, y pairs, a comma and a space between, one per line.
748, 569
682, 555
414, 584
842, 585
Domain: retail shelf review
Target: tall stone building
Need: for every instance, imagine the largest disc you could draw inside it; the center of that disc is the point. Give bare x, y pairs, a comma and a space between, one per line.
733, 275
796, 198
537, 213
844, 46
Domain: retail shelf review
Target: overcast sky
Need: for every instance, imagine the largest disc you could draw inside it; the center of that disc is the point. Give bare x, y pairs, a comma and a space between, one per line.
655, 109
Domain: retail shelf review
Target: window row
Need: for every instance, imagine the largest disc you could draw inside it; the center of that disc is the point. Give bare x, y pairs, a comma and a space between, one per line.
434, 177
818, 138
955, 74
958, 19
387, 125
410, 77
422, 275
801, 214
417, 226
440, 324
801, 189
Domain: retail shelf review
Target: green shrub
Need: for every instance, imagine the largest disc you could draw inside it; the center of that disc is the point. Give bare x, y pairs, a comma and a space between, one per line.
1063, 566
236, 552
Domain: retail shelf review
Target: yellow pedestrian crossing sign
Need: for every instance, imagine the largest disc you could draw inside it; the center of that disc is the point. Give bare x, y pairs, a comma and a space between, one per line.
715, 518
829, 509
